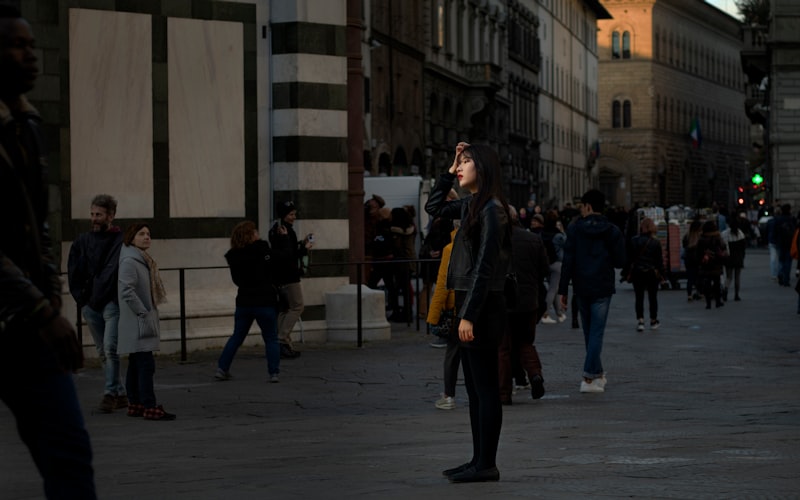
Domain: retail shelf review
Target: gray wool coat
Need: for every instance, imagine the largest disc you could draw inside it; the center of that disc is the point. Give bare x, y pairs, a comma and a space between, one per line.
138, 319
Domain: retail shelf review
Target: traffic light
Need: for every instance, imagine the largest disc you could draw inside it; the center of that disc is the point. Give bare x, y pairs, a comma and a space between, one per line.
740, 196
757, 179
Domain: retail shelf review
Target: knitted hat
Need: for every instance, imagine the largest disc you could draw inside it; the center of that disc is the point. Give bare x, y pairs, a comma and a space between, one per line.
284, 208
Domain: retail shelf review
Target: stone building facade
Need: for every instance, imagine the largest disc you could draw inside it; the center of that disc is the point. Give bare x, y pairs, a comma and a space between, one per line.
771, 60
666, 65
784, 36
568, 97
464, 90
396, 103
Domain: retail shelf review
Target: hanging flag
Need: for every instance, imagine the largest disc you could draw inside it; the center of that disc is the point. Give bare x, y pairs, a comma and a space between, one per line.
594, 151
694, 133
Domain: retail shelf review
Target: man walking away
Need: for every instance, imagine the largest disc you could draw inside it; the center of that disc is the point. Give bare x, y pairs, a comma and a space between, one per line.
594, 248
93, 268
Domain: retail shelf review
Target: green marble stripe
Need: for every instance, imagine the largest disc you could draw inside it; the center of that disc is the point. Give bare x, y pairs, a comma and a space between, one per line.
302, 95
308, 38
307, 148
316, 204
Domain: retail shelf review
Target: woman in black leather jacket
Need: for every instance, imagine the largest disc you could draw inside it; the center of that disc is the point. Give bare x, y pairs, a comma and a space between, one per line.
478, 265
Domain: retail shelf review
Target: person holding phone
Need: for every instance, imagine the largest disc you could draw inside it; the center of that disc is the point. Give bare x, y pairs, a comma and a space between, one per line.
288, 276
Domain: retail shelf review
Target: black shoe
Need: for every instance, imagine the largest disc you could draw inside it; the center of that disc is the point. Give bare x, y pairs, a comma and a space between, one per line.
720, 304
505, 402
288, 353
575, 324
537, 387
456, 470
737, 298
472, 475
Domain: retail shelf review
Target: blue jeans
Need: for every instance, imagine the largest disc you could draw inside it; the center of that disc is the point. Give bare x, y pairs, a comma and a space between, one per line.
141, 368
104, 327
49, 419
594, 313
774, 262
267, 319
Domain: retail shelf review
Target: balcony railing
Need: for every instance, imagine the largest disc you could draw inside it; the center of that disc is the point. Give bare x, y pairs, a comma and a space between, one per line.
484, 74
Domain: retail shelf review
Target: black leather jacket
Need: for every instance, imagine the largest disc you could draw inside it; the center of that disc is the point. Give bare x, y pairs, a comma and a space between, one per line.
477, 266
27, 270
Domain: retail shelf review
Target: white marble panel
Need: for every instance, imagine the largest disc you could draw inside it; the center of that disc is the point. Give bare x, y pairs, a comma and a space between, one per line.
310, 11
309, 176
312, 68
328, 233
206, 118
111, 110
310, 122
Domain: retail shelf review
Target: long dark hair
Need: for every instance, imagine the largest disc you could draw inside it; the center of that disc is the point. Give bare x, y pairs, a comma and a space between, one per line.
490, 184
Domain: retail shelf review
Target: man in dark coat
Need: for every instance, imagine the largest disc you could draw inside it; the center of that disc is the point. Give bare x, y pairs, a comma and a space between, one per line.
93, 269
39, 346
595, 247
531, 266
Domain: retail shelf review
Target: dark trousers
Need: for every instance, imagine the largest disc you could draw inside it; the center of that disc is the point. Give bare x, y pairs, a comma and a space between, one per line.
481, 378
139, 381
49, 419
485, 411
518, 343
712, 288
650, 285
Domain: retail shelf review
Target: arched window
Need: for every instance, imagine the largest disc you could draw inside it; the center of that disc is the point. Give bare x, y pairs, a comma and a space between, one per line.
626, 114
616, 119
615, 45
626, 45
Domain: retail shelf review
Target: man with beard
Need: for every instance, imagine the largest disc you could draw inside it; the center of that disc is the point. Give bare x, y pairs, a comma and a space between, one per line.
93, 267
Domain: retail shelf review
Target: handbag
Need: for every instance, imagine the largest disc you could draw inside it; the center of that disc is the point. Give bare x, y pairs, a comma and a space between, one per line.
445, 324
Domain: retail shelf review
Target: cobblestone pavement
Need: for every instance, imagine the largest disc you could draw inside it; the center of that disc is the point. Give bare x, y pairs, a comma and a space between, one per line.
708, 406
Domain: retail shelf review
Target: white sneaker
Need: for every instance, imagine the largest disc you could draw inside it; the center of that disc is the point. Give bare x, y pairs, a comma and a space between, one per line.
640, 326
562, 317
446, 403
547, 320
596, 385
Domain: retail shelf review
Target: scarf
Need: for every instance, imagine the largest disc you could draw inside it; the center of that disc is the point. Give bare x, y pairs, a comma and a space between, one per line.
157, 291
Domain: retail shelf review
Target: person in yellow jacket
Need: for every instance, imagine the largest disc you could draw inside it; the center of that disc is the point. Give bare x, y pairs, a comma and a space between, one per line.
445, 300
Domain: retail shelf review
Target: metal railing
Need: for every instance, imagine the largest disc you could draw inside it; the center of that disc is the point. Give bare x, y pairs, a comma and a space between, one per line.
359, 312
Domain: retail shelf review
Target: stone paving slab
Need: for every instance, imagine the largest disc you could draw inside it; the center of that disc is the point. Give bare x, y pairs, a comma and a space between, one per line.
708, 406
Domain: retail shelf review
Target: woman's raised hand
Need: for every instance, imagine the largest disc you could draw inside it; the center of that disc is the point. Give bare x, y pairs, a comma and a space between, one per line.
459, 148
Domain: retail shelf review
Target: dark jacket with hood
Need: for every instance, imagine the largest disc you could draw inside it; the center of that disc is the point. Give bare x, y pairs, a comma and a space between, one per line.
253, 270
27, 270
478, 265
593, 249
92, 282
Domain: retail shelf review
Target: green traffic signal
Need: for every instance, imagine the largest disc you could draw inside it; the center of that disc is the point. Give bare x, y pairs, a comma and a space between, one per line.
757, 179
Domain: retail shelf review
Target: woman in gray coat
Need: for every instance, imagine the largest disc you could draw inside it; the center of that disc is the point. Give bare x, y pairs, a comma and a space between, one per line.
140, 292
